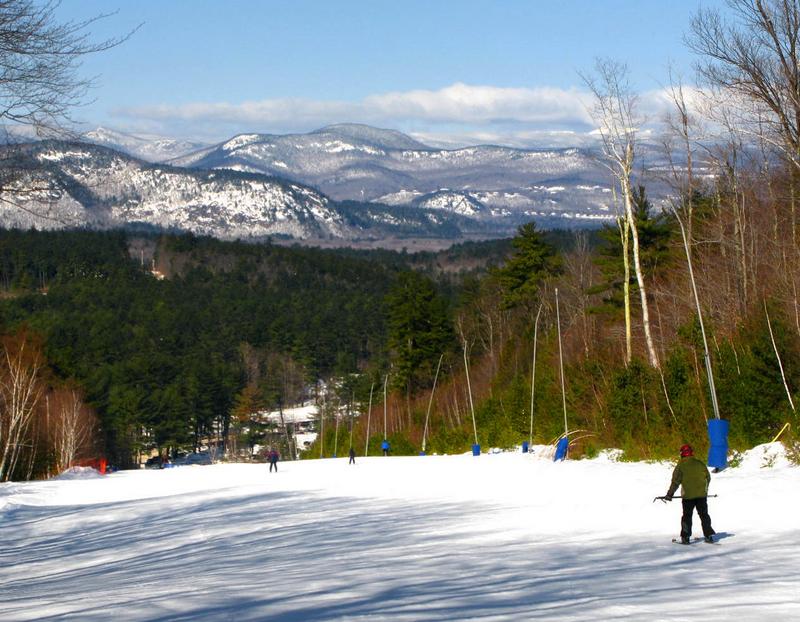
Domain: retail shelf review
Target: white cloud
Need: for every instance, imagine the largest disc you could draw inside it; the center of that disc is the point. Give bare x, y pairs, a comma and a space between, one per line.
462, 103
511, 138
657, 103
458, 104
456, 114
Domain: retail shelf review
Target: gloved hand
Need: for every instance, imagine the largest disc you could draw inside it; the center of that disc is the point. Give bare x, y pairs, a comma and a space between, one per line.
667, 497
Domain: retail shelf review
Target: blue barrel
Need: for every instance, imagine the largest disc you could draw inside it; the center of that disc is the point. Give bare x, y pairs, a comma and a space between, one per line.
524, 447
561, 449
476, 450
718, 445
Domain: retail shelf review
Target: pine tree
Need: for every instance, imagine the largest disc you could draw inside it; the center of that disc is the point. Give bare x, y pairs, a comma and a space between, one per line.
419, 328
532, 261
655, 231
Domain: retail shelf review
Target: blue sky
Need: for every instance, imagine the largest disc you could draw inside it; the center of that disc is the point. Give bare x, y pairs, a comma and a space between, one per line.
464, 71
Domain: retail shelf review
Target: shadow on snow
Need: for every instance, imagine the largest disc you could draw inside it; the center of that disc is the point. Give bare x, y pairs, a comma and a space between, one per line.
303, 557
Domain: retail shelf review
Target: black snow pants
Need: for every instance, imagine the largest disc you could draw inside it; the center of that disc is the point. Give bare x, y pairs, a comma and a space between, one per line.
689, 505
275, 464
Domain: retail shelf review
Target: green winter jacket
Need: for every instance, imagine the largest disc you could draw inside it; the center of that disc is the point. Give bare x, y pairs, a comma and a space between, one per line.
693, 475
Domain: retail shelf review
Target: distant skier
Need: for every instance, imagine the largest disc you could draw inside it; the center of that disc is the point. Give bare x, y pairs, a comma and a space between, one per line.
385, 447
273, 460
693, 476
352, 456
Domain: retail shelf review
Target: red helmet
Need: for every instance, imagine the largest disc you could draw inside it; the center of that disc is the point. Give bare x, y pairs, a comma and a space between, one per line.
686, 450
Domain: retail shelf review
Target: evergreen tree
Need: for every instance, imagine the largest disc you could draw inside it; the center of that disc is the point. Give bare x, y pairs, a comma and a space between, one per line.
532, 261
655, 231
419, 328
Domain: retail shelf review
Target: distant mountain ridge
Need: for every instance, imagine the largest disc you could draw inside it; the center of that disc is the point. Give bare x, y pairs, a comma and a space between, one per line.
64, 184
145, 147
341, 182
388, 139
361, 163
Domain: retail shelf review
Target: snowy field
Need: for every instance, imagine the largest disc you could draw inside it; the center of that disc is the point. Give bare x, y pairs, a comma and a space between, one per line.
497, 537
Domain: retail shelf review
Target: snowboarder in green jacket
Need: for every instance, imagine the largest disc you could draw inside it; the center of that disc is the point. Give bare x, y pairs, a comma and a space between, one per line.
692, 475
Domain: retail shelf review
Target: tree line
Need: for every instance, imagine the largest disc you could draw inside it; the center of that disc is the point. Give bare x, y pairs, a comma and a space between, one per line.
683, 313
187, 345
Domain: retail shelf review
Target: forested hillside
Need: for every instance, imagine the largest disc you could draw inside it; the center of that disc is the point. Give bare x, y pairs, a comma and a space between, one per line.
163, 342
614, 396
165, 349
161, 361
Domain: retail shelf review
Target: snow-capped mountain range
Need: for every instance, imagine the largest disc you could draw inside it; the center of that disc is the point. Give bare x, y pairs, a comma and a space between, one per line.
362, 163
146, 147
344, 182
61, 184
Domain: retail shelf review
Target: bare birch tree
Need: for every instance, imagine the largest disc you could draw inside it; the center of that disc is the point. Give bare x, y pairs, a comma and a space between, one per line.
39, 62
755, 55
580, 269
682, 126
752, 54
20, 391
615, 112
625, 238
72, 428
40, 85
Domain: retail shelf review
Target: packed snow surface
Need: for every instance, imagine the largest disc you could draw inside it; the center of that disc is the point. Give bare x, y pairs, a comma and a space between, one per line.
502, 536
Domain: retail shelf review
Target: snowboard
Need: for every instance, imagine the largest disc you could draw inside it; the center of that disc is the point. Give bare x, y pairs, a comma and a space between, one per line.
717, 537
692, 541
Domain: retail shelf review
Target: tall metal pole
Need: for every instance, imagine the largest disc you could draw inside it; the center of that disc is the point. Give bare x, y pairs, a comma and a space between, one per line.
533, 369
430, 402
322, 428
369, 414
469, 390
561, 366
711, 386
336, 433
351, 412
778, 356
385, 384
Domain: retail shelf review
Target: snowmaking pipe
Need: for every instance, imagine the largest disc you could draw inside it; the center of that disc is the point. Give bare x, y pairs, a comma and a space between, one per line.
430, 403
385, 384
469, 392
352, 420
322, 429
561, 367
783, 429
533, 370
712, 389
336, 433
369, 414
778, 356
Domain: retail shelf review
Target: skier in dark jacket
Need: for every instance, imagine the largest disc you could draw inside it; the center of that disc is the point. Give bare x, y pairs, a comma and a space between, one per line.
273, 460
352, 456
693, 476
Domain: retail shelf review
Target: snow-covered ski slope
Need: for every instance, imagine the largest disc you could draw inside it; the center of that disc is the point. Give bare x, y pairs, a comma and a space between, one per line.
496, 537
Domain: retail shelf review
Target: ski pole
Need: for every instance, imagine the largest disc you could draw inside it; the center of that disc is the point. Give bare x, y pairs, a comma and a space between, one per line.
664, 498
